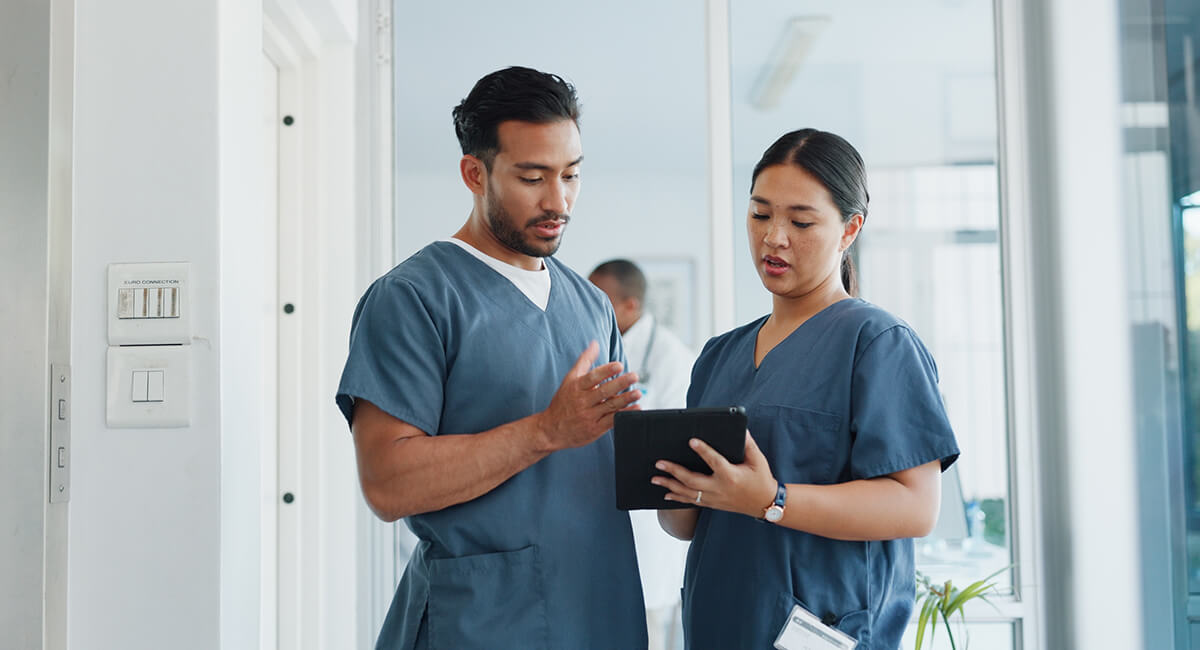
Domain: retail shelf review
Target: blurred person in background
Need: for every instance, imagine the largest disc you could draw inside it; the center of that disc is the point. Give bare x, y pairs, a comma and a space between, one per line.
663, 364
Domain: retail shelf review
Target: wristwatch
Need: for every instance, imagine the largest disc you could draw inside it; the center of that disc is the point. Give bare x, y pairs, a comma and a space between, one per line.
774, 512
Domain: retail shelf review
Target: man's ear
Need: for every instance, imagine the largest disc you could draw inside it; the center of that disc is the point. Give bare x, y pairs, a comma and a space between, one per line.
474, 174
632, 305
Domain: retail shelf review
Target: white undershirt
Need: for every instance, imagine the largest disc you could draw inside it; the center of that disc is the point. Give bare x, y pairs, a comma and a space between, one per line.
534, 284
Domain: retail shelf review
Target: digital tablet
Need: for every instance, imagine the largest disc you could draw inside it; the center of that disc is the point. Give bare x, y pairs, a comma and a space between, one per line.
641, 438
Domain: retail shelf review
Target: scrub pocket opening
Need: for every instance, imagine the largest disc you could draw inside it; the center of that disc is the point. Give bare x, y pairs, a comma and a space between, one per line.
855, 623
495, 600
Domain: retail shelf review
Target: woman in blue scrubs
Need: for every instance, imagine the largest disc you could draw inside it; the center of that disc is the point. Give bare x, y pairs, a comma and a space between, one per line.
847, 430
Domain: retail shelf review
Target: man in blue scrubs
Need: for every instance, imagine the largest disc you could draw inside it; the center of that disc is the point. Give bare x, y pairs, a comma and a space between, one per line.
479, 412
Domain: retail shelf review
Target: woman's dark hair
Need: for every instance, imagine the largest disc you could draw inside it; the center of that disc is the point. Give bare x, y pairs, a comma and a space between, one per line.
837, 165
515, 93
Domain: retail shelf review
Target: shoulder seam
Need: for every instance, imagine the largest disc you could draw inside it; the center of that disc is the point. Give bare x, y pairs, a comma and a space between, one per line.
875, 338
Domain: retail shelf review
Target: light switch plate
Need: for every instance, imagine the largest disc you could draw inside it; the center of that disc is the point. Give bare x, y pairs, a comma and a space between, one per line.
174, 361
149, 304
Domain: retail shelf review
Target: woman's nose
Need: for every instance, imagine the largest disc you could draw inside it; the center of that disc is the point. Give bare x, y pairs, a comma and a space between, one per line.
775, 235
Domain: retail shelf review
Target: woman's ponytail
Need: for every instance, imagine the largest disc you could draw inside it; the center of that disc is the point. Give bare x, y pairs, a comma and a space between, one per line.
849, 275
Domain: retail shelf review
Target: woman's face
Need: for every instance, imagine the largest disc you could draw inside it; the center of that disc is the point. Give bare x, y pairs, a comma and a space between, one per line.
796, 232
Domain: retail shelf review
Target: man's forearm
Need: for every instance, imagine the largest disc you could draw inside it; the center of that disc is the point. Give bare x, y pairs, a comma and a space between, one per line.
424, 473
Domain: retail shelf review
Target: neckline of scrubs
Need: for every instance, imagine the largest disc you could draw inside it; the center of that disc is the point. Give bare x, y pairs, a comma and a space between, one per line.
550, 298
754, 339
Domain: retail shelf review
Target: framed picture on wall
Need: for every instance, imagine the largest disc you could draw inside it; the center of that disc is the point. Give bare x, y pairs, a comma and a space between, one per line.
671, 293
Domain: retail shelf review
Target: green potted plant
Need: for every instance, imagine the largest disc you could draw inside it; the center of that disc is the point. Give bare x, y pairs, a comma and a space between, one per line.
943, 600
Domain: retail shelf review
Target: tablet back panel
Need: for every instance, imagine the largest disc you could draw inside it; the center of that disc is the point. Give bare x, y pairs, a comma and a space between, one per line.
641, 438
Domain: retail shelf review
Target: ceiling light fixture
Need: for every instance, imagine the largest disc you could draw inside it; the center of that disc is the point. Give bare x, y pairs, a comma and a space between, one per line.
777, 73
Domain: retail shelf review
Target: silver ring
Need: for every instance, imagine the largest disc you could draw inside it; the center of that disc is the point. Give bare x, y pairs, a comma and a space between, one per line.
699, 493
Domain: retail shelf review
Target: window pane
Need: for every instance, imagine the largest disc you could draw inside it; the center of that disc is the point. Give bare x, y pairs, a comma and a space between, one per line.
642, 84
644, 131
1162, 204
922, 113
976, 636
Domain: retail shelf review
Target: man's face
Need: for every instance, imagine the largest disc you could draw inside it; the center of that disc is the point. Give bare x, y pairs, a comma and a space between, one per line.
532, 185
627, 310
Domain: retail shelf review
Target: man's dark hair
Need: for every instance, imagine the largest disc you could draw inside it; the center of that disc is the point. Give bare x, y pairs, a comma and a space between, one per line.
515, 93
629, 277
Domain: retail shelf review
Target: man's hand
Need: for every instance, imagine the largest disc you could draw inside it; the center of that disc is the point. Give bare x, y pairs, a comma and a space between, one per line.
582, 409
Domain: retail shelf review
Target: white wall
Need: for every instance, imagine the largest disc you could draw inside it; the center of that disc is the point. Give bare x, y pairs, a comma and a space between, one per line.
247, 308
169, 539
145, 516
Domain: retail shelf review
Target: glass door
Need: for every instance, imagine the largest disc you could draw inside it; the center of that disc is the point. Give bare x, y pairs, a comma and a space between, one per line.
921, 110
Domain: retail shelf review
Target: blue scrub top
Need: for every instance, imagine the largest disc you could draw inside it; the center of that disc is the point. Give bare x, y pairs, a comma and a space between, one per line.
447, 344
851, 394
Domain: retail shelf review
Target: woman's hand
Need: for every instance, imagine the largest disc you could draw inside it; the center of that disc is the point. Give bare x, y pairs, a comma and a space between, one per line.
747, 488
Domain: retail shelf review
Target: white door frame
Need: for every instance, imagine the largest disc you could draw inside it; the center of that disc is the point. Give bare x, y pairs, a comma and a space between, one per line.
37, 60
316, 588
1067, 326
383, 547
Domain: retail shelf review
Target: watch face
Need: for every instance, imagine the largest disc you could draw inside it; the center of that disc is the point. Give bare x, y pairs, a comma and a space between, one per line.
773, 514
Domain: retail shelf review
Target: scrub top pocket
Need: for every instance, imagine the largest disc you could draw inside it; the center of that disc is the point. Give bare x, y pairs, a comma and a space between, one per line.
802, 443
496, 600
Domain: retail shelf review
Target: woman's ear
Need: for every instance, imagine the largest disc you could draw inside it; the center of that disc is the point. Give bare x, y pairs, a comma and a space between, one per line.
852, 228
474, 174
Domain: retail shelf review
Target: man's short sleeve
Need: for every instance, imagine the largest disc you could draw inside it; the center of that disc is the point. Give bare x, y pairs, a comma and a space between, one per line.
397, 360
898, 420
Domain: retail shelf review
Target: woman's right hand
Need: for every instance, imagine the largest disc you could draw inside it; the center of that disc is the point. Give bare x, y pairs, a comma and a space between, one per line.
745, 488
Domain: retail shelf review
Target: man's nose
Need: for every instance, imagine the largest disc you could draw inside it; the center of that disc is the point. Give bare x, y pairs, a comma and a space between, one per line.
556, 198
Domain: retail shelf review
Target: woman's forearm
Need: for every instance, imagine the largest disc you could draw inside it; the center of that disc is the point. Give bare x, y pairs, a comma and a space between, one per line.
904, 504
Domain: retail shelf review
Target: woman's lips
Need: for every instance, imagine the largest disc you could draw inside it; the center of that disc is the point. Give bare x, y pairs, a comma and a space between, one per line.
774, 266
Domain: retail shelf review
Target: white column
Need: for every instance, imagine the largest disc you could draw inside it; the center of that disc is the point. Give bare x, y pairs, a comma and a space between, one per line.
720, 174
1080, 325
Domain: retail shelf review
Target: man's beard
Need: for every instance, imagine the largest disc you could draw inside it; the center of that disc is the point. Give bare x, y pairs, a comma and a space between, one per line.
500, 221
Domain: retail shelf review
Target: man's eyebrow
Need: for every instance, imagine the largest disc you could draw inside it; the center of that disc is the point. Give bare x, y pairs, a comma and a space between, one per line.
541, 167
801, 207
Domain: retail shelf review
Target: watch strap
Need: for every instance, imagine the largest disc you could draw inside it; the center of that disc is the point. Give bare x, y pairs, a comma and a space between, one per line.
777, 506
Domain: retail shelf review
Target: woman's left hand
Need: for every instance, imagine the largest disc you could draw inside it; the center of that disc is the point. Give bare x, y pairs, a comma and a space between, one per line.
747, 488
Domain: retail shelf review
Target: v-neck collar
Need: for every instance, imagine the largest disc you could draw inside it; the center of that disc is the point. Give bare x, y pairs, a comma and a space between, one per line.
550, 269
756, 367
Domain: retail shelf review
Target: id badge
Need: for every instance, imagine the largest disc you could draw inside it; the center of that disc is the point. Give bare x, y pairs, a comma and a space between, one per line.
803, 631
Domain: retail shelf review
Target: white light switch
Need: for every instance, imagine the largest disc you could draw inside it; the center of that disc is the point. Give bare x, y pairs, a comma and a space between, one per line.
154, 386
149, 386
138, 389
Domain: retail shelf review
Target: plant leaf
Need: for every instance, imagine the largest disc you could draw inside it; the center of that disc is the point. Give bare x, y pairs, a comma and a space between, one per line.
929, 608
959, 599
